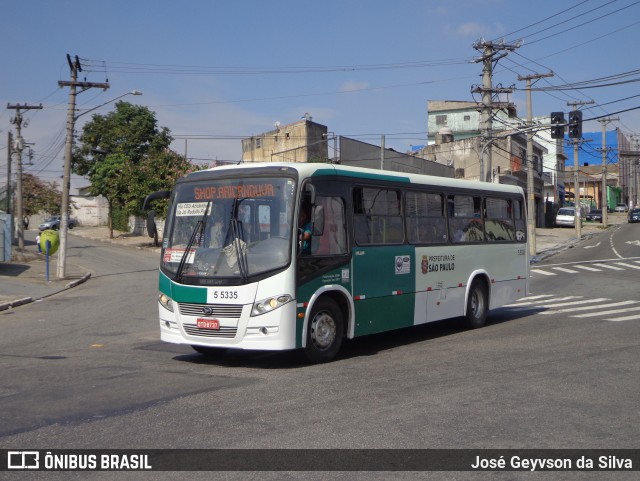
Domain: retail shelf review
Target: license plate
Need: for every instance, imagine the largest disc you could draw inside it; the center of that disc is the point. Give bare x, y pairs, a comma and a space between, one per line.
208, 324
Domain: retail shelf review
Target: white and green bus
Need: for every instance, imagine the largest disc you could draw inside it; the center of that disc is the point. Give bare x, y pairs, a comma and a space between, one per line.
387, 250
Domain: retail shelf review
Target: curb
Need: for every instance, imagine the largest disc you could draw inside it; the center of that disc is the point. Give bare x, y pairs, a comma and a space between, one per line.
18, 302
84, 278
28, 300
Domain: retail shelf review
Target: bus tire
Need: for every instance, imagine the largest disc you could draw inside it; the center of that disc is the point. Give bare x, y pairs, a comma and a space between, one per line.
477, 305
325, 331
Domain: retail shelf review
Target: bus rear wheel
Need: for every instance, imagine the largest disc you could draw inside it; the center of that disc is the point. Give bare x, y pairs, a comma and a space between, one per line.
324, 332
477, 305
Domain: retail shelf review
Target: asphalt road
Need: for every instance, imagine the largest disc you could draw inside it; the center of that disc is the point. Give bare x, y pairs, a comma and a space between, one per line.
85, 369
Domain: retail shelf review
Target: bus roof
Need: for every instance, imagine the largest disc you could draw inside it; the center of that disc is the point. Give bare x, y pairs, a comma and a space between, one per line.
307, 170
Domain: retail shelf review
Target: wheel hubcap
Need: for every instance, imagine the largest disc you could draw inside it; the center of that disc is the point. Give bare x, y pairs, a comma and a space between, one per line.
476, 304
323, 330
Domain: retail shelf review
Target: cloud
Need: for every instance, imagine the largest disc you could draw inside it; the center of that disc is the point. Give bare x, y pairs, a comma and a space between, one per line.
353, 86
474, 29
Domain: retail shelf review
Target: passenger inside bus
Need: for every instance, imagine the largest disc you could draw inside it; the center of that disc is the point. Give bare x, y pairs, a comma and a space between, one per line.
304, 230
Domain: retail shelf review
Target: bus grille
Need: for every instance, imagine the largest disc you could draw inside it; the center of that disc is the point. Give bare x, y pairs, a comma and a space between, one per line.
231, 311
228, 332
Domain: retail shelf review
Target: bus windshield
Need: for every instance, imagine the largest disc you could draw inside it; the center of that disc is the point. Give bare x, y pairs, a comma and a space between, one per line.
229, 228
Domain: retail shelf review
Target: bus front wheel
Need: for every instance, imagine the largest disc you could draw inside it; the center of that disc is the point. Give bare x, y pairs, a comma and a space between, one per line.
324, 332
477, 305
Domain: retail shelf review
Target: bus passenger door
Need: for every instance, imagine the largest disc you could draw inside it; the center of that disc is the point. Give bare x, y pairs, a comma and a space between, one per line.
327, 260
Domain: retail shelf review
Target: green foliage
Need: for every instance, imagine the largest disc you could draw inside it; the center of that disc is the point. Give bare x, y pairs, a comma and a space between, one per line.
119, 218
126, 157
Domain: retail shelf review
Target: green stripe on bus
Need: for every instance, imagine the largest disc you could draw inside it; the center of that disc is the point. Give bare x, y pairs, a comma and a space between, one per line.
360, 175
180, 293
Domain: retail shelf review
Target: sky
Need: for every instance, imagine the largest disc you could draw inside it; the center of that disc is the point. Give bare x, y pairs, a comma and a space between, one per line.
227, 70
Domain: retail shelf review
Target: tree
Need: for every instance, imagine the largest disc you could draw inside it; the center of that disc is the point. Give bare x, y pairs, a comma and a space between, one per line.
126, 156
40, 196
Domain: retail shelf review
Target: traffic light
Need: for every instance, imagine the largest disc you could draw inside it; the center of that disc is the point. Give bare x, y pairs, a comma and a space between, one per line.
575, 124
557, 125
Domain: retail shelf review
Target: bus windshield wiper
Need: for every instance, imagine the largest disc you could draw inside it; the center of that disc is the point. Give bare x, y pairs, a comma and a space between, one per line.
199, 228
235, 237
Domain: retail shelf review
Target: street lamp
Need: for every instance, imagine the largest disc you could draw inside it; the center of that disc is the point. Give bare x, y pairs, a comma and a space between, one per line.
66, 179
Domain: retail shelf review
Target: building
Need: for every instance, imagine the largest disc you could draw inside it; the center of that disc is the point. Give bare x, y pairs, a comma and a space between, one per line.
302, 141
463, 118
458, 144
360, 154
590, 186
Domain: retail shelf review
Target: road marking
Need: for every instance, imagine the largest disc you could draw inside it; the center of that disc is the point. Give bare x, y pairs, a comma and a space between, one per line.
625, 318
544, 273
530, 301
635, 243
607, 266
564, 269
591, 247
627, 265
539, 296
549, 301
586, 308
587, 268
606, 313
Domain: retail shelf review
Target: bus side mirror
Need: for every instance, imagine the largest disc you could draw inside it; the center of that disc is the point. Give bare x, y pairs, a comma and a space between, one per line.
318, 220
161, 194
310, 193
152, 230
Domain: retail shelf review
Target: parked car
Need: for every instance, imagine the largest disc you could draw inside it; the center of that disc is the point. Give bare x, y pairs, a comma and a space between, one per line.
634, 215
566, 216
53, 222
621, 207
595, 215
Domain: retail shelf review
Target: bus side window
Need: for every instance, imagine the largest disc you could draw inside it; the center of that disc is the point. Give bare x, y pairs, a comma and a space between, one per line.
377, 216
466, 224
521, 225
499, 224
426, 223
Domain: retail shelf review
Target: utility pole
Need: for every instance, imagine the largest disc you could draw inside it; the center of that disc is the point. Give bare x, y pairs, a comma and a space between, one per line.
75, 67
491, 52
18, 121
604, 201
9, 155
531, 200
576, 188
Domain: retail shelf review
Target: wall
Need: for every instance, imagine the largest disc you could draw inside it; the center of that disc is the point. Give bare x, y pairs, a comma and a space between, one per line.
89, 210
361, 154
302, 141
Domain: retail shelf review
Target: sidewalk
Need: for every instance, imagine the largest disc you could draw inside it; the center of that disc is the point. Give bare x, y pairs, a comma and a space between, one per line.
23, 280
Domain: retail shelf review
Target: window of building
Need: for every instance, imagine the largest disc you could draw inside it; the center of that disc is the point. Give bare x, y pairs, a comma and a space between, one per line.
441, 120
467, 118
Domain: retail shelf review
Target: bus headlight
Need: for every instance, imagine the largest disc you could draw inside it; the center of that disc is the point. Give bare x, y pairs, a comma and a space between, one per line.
268, 305
166, 302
